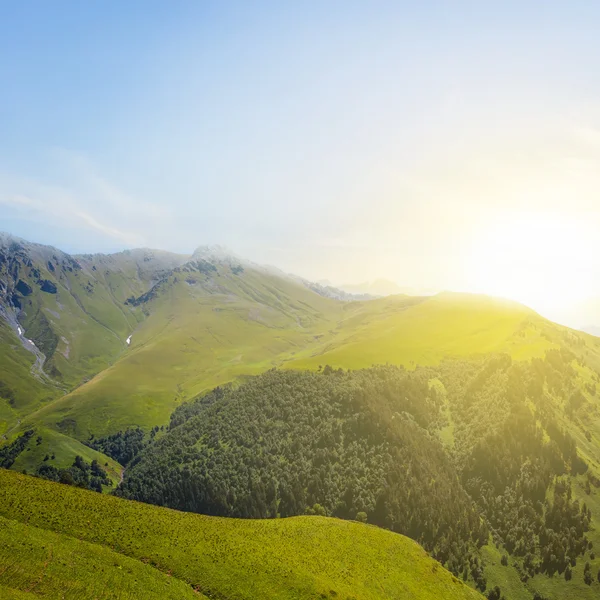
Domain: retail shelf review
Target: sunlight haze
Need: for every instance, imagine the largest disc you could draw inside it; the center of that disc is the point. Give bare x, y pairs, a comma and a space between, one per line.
433, 147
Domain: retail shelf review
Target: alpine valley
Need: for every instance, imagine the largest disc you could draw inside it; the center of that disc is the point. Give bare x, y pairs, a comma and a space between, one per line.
200, 426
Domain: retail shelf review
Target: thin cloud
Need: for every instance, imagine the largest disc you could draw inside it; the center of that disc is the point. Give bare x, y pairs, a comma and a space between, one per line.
127, 237
83, 199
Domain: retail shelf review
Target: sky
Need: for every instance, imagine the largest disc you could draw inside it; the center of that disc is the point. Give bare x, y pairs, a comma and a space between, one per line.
440, 145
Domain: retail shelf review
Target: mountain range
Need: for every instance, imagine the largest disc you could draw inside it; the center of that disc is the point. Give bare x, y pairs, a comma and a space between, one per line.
209, 384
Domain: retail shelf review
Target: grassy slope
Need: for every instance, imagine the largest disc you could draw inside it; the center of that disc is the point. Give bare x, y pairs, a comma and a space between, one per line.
195, 339
306, 557
401, 331
15, 372
64, 449
41, 563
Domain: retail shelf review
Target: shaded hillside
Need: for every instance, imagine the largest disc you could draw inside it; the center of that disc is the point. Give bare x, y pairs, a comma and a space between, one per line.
337, 444
61, 542
425, 453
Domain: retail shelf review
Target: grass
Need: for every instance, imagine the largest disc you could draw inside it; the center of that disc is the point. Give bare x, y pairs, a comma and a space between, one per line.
41, 563
299, 558
399, 331
64, 449
15, 373
506, 577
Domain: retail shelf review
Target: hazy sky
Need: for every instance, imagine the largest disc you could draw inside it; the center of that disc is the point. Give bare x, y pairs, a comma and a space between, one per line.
443, 145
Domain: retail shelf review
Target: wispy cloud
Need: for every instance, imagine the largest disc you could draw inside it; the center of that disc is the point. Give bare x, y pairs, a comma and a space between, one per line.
83, 199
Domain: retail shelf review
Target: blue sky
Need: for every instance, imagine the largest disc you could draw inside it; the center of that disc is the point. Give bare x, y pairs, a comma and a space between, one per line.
339, 140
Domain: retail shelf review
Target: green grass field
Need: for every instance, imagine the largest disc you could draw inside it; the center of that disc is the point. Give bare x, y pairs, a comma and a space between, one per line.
58, 541
41, 563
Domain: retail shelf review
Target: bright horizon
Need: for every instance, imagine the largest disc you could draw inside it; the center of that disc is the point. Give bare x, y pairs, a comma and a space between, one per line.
437, 147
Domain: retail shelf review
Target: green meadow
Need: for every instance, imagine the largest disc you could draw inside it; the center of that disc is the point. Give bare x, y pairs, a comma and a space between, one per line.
59, 541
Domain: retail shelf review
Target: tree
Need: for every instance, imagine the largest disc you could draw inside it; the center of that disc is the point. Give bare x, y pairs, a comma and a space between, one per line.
361, 517
66, 477
494, 594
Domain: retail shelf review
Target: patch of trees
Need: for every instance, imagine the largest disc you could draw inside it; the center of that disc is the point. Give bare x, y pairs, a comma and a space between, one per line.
48, 286
357, 445
80, 474
10, 452
146, 297
364, 445
23, 288
122, 446
509, 465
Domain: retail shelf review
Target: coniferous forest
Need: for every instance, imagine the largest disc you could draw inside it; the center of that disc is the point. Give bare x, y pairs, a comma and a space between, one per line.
373, 445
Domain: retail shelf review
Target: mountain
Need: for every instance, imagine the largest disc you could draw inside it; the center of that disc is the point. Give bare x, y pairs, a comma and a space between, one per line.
378, 287
212, 384
592, 330
58, 541
118, 314
330, 291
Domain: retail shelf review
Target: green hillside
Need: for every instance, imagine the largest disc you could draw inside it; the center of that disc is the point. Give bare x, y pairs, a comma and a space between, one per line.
61, 449
41, 563
201, 330
20, 391
475, 459
287, 443
61, 542
228, 326
409, 331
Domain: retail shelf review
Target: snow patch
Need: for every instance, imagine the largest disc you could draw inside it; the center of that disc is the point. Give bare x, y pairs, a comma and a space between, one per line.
30, 342
20, 330
128, 340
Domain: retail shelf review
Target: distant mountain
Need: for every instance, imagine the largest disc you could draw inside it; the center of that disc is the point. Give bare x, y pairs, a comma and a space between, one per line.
592, 330
329, 291
379, 287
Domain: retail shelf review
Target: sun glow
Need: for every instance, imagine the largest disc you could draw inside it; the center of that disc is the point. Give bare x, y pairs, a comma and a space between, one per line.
543, 261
